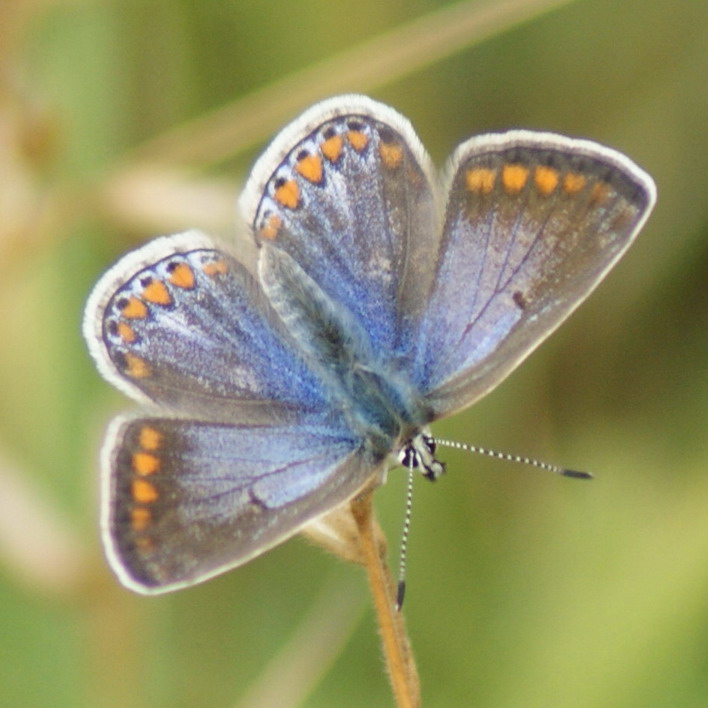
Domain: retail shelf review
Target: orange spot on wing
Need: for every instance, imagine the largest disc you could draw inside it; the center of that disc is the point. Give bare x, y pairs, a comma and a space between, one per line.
288, 194
144, 463
134, 309
182, 276
144, 544
149, 438
140, 518
272, 227
546, 179
310, 168
215, 268
573, 183
136, 367
143, 492
126, 332
600, 193
391, 154
514, 178
357, 139
157, 293
480, 180
332, 148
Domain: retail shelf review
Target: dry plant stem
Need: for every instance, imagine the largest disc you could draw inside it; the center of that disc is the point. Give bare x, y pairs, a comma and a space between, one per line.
402, 670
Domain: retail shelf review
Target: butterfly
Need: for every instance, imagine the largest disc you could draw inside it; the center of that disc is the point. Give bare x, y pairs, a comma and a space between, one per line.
381, 299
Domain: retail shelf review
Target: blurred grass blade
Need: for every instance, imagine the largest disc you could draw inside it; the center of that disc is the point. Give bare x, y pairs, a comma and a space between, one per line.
405, 49
302, 662
37, 545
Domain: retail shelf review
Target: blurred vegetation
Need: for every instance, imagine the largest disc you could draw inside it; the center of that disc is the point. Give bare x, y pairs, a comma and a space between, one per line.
123, 120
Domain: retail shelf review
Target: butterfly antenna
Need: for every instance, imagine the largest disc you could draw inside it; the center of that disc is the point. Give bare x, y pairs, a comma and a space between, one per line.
401, 590
514, 458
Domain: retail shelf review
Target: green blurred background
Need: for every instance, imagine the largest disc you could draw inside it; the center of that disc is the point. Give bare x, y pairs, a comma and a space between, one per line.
123, 120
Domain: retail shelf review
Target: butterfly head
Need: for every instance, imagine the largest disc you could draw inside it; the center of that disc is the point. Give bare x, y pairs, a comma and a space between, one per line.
419, 453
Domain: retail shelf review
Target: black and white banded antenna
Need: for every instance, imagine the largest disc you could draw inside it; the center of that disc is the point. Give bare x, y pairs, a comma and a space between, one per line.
401, 589
411, 460
476, 449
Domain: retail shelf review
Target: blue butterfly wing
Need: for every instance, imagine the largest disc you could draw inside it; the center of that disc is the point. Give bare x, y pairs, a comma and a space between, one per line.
346, 191
184, 325
533, 223
260, 444
184, 500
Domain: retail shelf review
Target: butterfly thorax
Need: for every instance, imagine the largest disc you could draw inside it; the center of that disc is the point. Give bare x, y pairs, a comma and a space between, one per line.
378, 402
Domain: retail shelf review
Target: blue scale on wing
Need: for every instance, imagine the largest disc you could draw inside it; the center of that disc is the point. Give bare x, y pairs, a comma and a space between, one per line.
221, 494
513, 265
269, 466
364, 234
374, 397
254, 367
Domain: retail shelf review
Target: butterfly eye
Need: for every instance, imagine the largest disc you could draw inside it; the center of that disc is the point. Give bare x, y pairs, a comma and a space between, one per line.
429, 443
408, 457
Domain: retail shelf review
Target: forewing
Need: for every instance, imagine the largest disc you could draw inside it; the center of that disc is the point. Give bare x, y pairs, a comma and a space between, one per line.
346, 191
185, 500
533, 223
184, 325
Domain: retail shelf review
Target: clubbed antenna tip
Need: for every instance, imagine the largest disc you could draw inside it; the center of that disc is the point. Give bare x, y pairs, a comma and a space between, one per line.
514, 458
400, 594
576, 475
